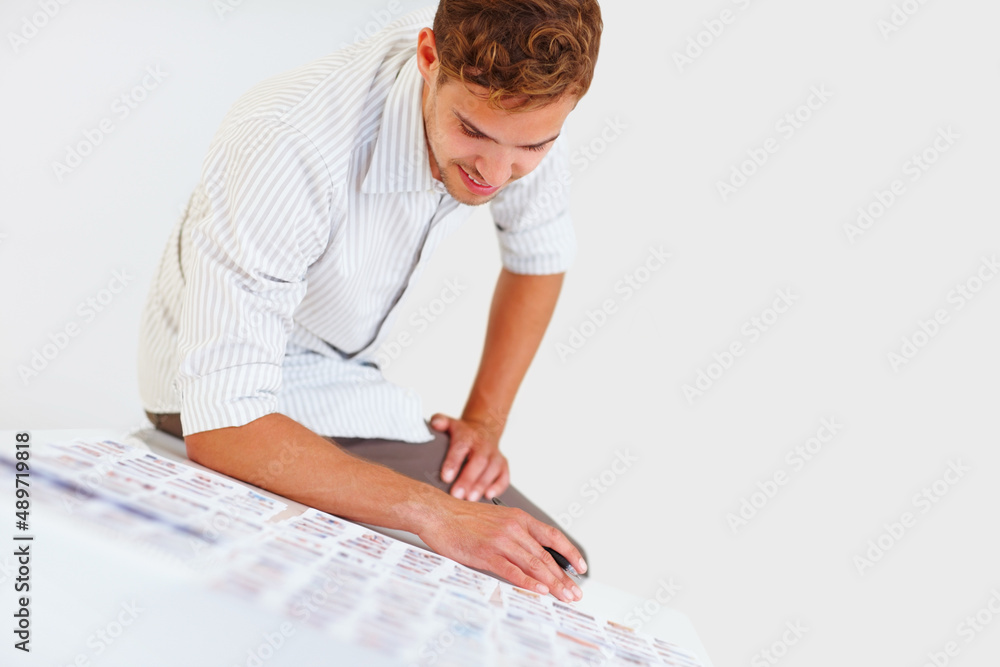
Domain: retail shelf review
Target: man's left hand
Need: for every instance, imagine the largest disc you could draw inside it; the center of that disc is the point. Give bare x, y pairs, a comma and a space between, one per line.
485, 471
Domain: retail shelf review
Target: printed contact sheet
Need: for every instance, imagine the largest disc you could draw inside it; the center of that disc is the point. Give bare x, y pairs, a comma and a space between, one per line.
335, 576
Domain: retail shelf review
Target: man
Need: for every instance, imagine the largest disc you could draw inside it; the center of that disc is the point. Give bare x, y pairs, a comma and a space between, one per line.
322, 195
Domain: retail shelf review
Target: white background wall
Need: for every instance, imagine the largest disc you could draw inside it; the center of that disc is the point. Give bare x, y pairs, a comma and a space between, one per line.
682, 129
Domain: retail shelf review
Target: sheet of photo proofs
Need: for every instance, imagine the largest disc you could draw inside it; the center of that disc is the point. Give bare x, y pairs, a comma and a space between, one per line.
336, 576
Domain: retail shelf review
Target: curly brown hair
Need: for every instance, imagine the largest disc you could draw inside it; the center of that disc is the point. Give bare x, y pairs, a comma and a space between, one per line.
524, 52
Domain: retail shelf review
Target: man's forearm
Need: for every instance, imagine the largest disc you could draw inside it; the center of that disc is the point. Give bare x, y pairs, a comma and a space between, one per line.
519, 315
278, 454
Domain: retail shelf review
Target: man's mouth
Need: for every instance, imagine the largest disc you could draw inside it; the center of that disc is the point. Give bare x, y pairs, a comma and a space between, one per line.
476, 186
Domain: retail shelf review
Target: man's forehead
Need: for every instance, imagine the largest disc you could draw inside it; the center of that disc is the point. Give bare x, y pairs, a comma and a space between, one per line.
513, 103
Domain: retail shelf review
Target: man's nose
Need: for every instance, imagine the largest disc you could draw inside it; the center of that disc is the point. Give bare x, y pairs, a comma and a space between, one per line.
496, 166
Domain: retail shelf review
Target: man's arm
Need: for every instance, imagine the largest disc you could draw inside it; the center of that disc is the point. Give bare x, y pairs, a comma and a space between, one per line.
519, 315
277, 453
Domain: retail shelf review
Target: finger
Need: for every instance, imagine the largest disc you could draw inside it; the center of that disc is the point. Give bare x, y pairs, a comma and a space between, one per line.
537, 562
501, 484
474, 467
512, 573
457, 451
534, 560
487, 477
440, 422
553, 538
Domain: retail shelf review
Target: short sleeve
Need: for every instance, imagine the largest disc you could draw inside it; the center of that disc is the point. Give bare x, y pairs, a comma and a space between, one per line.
264, 218
532, 217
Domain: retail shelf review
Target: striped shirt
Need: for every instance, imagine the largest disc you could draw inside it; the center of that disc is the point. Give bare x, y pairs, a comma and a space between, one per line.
315, 211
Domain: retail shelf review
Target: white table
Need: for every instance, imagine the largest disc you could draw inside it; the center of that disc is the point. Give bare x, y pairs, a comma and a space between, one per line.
97, 602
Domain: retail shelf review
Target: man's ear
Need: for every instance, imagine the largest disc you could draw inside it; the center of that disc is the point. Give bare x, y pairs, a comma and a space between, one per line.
427, 56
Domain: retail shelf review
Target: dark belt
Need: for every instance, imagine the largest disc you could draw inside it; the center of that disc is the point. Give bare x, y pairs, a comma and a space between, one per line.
168, 423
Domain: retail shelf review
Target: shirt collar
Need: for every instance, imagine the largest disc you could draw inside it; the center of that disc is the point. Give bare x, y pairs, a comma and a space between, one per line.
400, 162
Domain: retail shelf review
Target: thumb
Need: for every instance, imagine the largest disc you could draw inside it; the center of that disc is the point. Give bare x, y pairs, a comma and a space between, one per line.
440, 422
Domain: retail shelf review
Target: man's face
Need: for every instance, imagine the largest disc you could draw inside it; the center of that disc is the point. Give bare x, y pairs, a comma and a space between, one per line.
476, 150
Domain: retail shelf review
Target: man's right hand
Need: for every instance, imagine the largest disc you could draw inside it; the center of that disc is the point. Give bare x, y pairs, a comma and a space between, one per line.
279, 454
506, 541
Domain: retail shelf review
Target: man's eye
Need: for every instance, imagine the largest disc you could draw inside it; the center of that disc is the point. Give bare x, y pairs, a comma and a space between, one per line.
475, 135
